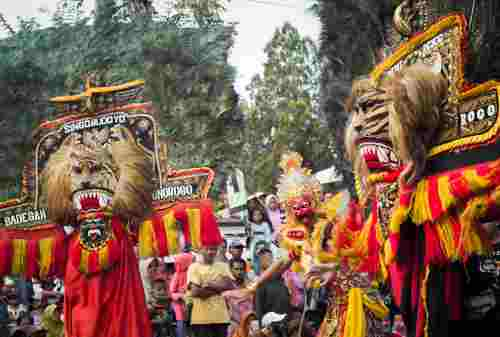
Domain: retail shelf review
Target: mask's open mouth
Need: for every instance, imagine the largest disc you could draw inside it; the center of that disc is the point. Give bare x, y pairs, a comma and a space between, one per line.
378, 155
100, 196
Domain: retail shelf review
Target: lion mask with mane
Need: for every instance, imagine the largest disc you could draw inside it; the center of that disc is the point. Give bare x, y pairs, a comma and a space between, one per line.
108, 164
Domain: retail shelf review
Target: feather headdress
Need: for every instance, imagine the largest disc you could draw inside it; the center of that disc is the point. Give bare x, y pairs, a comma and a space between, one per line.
296, 181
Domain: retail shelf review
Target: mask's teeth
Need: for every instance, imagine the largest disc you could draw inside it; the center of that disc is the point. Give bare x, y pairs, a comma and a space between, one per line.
382, 154
393, 157
77, 204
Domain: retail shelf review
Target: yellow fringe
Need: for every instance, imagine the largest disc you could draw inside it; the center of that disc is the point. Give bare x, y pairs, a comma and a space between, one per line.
19, 256
45, 247
358, 186
474, 181
383, 269
171, 230
146, 242
474, 244
421, 210
444, 191
399, 216
475, 209
389, 254
360, 245
194, 219
445, 233
104, 257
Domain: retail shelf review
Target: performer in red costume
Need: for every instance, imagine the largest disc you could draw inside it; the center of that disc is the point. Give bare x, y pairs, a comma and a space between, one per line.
110, 303
95, 171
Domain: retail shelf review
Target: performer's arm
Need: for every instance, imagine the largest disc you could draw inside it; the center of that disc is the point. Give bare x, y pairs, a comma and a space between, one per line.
277, 268
260, 299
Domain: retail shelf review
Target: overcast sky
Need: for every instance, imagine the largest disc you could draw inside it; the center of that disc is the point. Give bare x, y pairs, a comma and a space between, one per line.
257, 21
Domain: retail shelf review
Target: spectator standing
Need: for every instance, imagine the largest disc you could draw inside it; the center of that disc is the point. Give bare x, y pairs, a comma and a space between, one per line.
238, 268
36, 307
4, 312
160, 316
274, 212
24, 294
260, 235
51, 321
236, 249
273, 295
237, 304
221, 253
178, 288
207, 280
276, 216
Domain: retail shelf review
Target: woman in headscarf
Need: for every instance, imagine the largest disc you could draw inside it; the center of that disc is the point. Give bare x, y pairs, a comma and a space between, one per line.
178, 288
274, 212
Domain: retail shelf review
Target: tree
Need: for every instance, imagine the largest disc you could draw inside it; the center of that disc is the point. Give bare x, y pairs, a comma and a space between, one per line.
124, 40
352, 32
195, 95
283, 113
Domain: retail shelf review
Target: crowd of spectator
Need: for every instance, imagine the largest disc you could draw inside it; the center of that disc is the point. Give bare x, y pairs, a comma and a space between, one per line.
195, 294
29, 308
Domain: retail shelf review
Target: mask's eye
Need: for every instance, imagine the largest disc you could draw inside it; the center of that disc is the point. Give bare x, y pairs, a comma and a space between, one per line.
77, 169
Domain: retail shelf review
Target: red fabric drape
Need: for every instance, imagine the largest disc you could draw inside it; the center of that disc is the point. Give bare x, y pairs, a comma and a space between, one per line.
106, 304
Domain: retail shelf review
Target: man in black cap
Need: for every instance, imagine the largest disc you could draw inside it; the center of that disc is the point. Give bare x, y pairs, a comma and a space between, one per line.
236, 250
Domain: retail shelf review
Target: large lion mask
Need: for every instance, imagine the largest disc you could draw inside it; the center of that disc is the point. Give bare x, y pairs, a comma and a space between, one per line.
394, 121
106, 164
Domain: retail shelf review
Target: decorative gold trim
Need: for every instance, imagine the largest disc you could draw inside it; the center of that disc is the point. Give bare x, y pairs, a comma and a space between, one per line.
415, 42
97, 90
407, 48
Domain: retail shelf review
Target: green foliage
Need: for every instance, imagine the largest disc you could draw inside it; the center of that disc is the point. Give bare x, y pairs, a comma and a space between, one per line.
191, 86
283, 112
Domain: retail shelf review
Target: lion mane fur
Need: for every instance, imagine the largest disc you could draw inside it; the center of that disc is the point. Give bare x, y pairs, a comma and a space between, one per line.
131, 166
417, 101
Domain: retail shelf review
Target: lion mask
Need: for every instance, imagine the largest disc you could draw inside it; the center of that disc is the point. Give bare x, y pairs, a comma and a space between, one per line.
106, 164
393, 122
